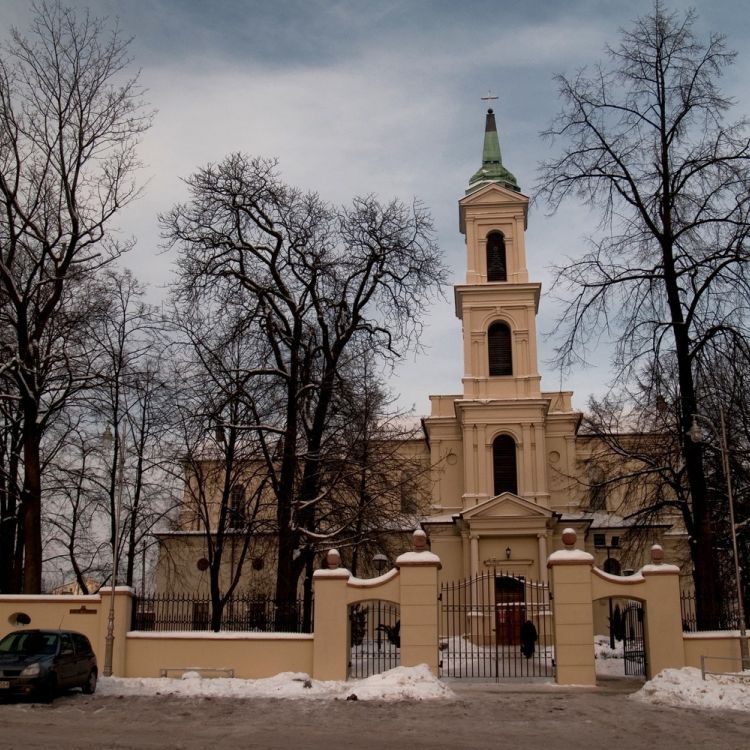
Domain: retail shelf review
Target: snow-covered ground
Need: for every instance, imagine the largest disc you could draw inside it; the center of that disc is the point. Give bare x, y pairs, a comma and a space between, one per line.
401, 683
686, 688
674, 687
609, 661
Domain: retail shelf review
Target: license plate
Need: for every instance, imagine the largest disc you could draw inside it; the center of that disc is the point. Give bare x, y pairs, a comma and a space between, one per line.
4, 685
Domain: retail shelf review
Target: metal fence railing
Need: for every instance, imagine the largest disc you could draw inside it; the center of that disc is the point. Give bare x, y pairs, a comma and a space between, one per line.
375, 637
496, 625
728, 618
182, 612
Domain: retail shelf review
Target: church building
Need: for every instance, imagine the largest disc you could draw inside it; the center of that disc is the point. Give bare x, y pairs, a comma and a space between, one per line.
503, 467
510, 470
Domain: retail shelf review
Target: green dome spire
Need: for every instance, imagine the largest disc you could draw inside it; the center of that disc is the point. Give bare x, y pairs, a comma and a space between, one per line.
492, 169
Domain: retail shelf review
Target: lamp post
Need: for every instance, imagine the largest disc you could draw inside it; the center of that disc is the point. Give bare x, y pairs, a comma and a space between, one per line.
380, 561
109, 640
695, 435
609, 547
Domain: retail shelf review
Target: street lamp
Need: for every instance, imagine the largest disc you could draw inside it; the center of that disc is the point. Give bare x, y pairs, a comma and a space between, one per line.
380, 561
109, 640
694, 433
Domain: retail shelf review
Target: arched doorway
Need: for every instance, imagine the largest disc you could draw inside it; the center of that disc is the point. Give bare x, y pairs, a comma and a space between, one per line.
620, 647
374, 637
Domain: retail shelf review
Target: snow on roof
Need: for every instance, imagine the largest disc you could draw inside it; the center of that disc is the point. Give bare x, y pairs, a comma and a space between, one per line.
446, 518
598, 519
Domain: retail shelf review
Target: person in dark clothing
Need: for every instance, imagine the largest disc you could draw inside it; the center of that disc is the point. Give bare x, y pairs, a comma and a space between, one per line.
529, 638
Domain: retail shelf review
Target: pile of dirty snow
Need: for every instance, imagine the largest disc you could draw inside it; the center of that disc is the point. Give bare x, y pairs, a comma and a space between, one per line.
401, 683
685, 687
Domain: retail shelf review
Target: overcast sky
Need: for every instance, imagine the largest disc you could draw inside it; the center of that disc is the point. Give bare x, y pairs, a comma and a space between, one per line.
376, 97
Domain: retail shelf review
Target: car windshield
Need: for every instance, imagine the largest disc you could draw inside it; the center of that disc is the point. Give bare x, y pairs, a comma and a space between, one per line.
29, 643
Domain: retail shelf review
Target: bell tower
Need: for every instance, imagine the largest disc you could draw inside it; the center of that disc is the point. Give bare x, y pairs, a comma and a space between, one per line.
501, 413
502, 449
497, 305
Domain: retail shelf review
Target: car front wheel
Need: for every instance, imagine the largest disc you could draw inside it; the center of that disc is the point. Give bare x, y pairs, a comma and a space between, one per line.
50, 689
89, 687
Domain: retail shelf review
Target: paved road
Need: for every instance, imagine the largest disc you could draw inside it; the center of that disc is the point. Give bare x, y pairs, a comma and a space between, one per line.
521, 717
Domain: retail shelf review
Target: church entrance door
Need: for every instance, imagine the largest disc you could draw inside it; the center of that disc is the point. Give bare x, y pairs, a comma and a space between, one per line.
510, 610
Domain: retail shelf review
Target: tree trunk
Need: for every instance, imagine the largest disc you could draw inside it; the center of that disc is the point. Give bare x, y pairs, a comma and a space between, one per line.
707, 592
31, 503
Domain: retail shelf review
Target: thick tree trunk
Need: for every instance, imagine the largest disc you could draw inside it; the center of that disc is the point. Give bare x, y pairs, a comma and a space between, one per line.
708, 606
31, 503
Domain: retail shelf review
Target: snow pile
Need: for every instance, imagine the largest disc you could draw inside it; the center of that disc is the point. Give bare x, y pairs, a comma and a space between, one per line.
685, 687
401, 683
609, 661
602, 649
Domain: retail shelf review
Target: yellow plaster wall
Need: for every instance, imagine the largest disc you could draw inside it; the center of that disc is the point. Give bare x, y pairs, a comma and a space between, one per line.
250, 655
723, 650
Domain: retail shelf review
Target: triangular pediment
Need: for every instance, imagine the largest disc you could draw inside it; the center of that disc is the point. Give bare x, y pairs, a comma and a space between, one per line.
506, 505
491, 195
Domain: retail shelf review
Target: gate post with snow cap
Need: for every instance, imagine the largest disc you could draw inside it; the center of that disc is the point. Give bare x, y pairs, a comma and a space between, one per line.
331, 642
419, 604
572, 613
663, 627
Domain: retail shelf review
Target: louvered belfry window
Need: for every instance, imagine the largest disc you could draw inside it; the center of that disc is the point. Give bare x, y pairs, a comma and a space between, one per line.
496, 266
504, 464
499, 349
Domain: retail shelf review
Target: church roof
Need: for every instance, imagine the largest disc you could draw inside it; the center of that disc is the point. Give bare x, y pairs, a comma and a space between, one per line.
492, 169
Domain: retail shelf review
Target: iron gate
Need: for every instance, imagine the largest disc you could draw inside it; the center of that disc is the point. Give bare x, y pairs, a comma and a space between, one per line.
496, 625
375, 637
634, 645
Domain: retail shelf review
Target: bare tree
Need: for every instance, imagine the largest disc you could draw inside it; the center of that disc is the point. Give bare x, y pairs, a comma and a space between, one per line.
646, 142
224, 477
379, 473
69, 125
131, 394
317, 282
11, 479
75, 519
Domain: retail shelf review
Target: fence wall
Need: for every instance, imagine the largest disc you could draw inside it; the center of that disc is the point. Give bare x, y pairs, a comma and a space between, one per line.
323, 654
245, 655
182, 612
724, 646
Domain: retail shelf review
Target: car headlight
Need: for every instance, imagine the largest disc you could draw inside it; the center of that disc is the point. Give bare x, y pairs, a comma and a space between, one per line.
33, 670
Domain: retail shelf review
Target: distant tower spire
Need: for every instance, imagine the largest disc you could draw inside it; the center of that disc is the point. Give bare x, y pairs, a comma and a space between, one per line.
492, 169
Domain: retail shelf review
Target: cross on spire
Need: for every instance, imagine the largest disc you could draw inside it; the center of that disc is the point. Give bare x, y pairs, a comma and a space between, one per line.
489, 97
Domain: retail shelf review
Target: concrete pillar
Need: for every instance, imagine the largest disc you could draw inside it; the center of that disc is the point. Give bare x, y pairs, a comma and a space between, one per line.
474, 546
331, 627
419, 604
663, 623
525, 467
542, 545
573, 613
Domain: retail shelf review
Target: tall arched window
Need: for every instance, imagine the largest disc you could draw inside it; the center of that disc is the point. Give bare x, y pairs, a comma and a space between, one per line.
499, 349
496, 266
504, 464
597, 488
